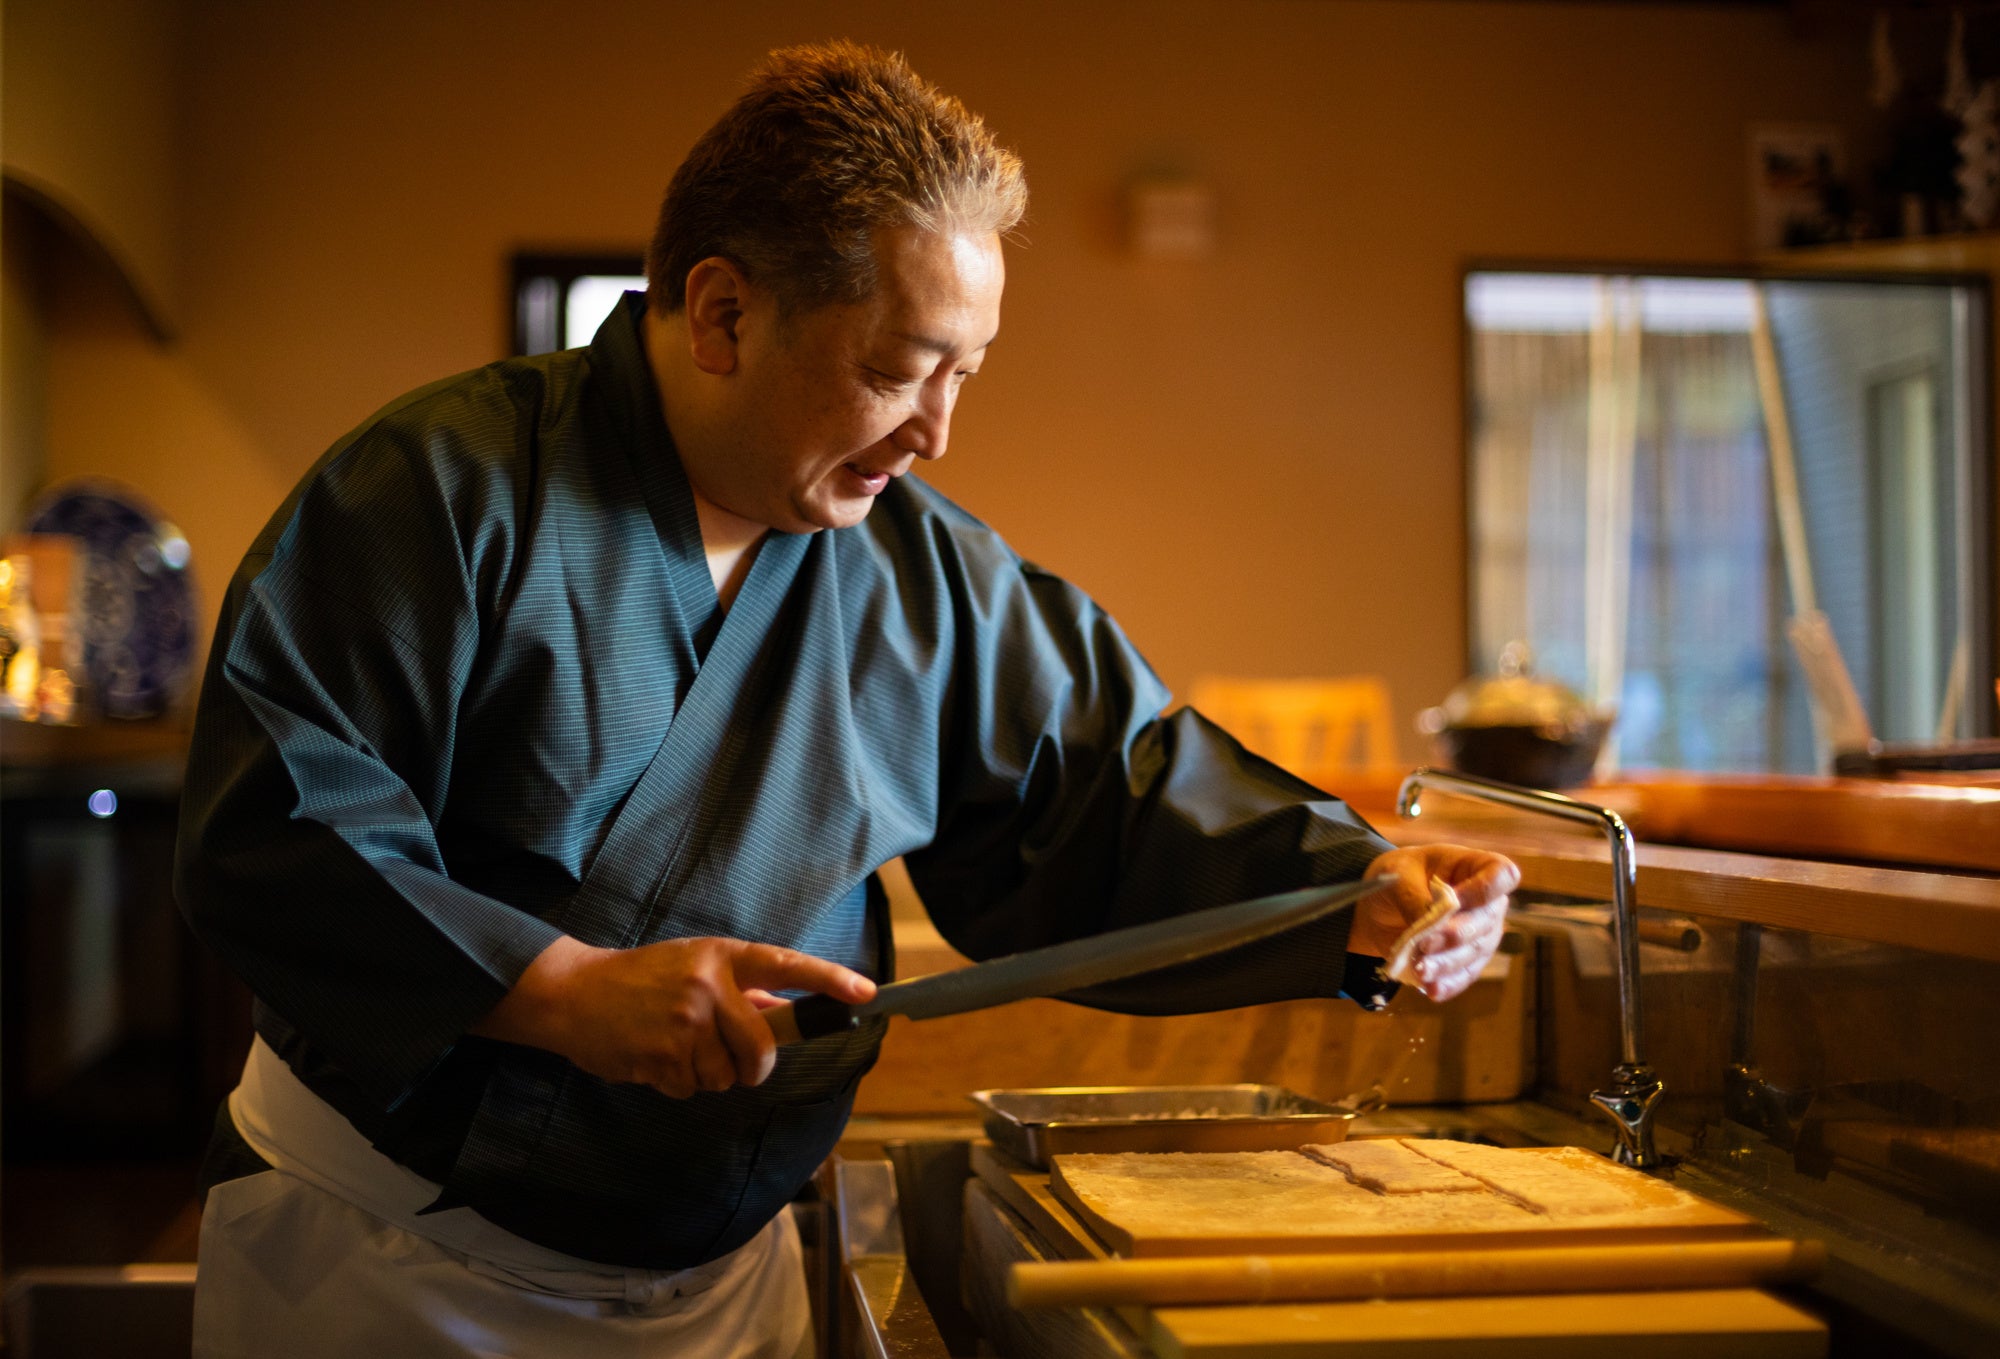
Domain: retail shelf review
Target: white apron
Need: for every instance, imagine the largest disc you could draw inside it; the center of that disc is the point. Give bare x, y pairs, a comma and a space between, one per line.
324, 1255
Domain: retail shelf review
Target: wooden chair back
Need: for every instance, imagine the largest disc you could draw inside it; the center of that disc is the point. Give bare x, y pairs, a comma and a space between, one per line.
1304, 724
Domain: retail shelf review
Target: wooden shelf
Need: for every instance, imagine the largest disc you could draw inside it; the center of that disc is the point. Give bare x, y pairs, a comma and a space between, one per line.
1969, 252
33, 745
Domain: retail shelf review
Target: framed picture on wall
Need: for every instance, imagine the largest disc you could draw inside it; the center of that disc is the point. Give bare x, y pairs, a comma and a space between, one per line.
1798, 185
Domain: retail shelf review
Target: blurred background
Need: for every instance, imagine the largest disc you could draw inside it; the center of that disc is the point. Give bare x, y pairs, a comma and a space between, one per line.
1229, 398
249, 225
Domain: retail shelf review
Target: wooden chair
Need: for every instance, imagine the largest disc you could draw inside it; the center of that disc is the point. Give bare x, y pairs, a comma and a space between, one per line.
1305, 725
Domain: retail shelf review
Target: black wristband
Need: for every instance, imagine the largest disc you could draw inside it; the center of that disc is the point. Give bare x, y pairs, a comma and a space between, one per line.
1363, 982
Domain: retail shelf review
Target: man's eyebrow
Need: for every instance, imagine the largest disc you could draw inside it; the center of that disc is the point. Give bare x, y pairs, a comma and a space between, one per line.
933, 344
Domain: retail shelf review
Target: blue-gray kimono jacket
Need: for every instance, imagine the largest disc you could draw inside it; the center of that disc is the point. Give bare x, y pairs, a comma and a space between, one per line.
471, 690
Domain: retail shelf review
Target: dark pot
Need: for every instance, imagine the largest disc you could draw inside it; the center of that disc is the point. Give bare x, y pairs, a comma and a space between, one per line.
1525, 754
1517, 727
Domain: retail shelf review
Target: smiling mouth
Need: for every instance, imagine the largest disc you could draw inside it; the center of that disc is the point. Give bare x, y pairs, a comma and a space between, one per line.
873, 480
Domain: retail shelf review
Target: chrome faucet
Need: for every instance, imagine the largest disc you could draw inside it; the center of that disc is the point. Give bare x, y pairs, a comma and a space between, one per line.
1634, 1089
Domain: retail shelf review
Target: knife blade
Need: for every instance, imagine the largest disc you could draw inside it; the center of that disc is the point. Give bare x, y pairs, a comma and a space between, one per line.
1072, 965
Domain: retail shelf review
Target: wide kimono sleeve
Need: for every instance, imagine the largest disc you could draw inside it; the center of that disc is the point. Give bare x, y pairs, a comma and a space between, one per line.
322, 754
1071, 806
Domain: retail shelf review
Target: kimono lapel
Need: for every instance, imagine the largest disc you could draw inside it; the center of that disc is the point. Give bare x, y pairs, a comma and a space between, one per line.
654, 829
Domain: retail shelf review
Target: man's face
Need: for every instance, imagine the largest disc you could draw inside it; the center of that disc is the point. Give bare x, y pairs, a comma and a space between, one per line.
834, 403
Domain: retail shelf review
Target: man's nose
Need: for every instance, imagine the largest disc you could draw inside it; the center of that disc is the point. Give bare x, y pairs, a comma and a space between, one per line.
928, 429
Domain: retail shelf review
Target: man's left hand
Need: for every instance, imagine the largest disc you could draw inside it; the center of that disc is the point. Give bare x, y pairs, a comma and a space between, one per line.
1451, 957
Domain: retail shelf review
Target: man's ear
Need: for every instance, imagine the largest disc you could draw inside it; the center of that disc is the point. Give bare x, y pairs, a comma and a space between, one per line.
716, 290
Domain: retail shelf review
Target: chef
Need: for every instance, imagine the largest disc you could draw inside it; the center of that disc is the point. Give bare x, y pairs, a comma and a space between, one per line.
561, 717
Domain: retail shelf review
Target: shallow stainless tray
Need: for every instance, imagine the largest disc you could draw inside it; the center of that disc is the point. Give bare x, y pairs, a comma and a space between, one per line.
1033, 1125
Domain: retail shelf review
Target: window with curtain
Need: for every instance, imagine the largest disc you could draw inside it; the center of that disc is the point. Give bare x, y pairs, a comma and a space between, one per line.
1716, 504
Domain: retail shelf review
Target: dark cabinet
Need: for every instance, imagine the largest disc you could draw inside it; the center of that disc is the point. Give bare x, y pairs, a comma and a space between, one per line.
120, 1031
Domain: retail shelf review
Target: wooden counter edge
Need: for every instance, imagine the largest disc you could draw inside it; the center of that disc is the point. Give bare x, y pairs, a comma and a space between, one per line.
1953, 913
1410, 1274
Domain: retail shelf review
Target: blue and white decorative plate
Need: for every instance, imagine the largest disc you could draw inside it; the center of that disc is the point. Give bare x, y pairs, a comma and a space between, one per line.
137, 612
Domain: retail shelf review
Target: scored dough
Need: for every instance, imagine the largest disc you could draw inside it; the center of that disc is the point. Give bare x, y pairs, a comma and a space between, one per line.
1540, 1182
1387, 1166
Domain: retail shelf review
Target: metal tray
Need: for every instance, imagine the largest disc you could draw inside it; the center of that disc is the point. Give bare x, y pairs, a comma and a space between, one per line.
1033, 1125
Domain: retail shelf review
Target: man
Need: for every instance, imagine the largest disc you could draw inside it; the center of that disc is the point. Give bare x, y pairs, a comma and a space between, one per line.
563, 715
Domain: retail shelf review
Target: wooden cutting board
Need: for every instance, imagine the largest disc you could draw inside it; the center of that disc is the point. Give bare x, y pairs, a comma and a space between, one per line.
1280, 1202
1714, 1323
1729, 1323
1026, 1190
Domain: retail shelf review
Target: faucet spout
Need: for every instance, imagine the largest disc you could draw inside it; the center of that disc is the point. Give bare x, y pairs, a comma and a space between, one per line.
1634, 1089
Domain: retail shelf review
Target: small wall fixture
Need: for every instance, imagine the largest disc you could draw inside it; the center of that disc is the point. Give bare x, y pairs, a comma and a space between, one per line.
1171, 219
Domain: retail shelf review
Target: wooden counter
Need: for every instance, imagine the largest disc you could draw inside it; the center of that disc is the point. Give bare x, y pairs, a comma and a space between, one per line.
1937, 910
1943, 910
1886, 821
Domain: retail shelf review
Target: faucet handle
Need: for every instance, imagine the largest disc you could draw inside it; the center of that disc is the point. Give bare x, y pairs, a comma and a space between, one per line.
1629, 1099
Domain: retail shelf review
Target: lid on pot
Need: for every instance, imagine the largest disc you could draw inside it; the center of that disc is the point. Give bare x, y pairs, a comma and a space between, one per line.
1515, 697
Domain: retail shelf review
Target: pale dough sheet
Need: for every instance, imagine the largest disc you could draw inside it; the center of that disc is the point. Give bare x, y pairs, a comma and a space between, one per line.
1541, 1183
1387, 1166
1276, 1193
1230, 1198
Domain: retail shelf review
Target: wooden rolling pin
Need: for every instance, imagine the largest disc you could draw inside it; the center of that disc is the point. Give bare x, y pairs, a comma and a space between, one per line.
1411, 1274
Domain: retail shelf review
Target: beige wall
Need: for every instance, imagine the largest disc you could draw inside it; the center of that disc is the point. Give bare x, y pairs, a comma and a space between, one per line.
92, 122
1254, 461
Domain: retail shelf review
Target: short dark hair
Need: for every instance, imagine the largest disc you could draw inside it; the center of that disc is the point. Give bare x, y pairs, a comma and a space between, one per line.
828, 145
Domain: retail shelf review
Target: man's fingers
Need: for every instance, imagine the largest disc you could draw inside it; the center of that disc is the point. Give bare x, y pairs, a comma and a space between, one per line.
784, 969
714, 1068
748, 1037
1412, 891
1493, 880
1448, 961
1473, 924
669, 1077
1461, 953
1382, 916
1476, 929
1446, 987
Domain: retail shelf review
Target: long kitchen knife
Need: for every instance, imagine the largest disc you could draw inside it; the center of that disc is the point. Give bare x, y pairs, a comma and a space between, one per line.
1073, 965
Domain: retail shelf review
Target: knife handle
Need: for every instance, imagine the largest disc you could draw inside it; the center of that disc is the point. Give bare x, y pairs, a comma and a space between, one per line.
794, 1021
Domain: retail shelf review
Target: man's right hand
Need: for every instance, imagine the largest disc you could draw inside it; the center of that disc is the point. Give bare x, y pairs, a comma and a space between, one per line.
680, 1015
